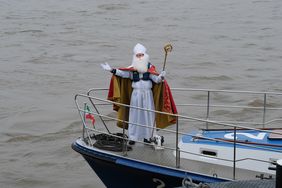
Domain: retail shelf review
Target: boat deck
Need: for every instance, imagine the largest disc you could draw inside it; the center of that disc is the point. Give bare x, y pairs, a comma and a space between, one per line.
165, 157
244, 184
251, 113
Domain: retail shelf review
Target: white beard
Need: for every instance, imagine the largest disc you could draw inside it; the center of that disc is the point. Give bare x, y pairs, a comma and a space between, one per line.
141, 65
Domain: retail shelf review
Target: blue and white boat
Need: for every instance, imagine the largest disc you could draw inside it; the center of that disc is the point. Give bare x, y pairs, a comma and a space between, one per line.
206, 144
260, 144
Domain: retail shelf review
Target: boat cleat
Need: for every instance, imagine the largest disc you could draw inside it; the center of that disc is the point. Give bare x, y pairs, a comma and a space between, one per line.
157, 142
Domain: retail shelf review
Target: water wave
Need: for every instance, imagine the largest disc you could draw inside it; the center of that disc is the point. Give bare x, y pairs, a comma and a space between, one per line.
112, 7
209, 78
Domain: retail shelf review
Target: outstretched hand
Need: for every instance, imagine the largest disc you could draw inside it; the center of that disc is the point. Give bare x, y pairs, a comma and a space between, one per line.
162, 75
106, 66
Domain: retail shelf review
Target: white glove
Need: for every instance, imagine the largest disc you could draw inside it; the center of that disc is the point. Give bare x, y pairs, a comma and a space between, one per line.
162, 75
106, 67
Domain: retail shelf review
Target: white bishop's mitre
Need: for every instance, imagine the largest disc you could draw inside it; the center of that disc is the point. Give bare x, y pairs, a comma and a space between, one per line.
139, 48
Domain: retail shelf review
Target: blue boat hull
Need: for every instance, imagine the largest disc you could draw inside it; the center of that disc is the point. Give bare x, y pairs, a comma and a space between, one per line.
116, 171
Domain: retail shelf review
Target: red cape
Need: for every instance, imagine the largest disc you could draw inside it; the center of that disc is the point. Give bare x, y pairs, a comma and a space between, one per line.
120, 91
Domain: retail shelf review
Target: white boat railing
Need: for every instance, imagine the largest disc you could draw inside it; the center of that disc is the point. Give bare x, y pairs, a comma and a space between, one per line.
264, 103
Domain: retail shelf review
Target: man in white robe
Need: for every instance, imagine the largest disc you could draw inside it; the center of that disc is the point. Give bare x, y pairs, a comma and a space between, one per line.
141, 122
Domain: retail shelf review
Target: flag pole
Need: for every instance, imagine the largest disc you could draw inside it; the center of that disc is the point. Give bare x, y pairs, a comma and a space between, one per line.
84, 121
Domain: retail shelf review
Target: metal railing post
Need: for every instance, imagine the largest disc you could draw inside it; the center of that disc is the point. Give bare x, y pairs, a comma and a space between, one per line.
234, 154
264, 111
177, 148
124, 143
208, 110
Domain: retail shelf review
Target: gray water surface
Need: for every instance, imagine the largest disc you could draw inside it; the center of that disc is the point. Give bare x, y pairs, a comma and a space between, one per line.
50, 50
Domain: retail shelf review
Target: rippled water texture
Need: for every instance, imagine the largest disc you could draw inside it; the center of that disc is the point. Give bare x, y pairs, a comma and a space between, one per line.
50, 50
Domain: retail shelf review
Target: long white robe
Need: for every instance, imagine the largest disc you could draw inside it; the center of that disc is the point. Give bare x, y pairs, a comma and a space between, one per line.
141, 122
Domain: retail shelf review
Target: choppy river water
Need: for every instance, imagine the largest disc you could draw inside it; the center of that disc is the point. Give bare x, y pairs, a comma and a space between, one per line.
50, 50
